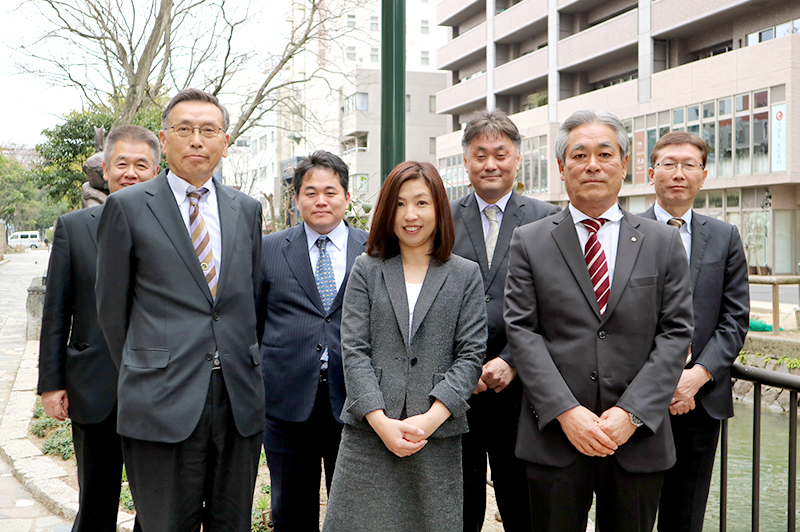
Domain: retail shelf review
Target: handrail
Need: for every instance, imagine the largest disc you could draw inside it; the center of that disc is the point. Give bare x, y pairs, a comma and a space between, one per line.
774, 379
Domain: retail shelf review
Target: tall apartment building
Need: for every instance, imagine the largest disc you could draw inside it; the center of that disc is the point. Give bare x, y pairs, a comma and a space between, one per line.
727, 70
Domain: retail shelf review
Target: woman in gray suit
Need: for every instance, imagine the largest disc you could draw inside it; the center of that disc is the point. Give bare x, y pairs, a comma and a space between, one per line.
413, 340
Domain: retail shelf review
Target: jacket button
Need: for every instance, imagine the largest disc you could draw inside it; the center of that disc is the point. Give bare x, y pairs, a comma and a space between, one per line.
209, 356
487, 298
593, 375
601, 335
215, 316
319, 347
414, 361
328, 319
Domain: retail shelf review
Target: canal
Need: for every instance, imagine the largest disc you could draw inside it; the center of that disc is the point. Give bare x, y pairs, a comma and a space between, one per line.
774, 473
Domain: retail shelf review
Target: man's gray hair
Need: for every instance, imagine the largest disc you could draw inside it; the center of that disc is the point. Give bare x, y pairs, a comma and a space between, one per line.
494, 122
587, 116
194, 95
129, 133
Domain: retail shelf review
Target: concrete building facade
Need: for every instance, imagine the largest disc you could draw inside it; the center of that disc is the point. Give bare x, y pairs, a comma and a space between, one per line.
726, 70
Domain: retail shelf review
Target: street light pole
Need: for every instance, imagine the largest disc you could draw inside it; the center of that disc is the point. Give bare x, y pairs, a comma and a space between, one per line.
393, 85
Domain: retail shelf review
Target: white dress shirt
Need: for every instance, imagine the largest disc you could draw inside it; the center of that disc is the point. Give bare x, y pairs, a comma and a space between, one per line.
209, 209
501, 204
608, 235
336, 248
685, 231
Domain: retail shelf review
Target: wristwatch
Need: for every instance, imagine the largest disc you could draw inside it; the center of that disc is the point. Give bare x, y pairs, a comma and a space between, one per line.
635, 420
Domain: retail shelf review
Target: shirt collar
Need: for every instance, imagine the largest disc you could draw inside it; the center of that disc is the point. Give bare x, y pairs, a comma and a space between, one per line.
338, 236
663, 216
180, 187
613, 214
501, 203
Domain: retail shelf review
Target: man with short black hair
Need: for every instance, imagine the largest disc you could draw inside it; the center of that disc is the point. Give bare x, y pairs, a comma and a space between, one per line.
77, 378
484, 221
721, 301
304, 272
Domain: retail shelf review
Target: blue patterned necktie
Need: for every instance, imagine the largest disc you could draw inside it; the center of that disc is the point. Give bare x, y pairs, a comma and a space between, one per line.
326, 285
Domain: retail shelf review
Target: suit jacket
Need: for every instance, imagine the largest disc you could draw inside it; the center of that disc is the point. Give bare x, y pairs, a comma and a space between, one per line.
160, 321
387, 367
471, 245
73, 354
567, 354
721, 301
294, 327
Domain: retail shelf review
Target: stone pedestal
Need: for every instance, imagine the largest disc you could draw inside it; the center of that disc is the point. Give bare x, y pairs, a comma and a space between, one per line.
35, 305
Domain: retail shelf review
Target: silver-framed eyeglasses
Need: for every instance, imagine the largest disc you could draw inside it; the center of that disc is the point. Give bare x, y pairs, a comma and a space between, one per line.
185, 131
672, 166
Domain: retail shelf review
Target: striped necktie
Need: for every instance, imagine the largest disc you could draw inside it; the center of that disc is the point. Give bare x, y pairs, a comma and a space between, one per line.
676, 222
494, 229
596, 262
201, 239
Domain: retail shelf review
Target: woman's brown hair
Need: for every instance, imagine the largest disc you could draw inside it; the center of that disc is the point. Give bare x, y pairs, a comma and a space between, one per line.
383, 242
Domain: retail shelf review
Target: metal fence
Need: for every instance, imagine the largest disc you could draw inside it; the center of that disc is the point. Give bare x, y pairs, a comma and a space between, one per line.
759, 378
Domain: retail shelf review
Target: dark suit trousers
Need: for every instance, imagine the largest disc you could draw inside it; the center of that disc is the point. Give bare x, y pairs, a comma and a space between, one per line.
561, 496
208, 478
493, 419
99, 456
294, 451
686, 484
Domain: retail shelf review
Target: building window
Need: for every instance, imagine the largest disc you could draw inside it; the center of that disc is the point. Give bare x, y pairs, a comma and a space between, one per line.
533, 168
432, 104
359, 183
423, 28
373, 23
351, 21
454, 176
408, 103
356, 102
351, 53
374, 56
423, 58
432, 146
355, 143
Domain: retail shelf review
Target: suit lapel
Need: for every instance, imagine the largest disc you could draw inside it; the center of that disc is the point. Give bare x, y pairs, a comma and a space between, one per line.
296, 253
93, 223
355, 246
434, 279
700, 236
567, 241
395, 282
472, 221
165, 209
630, 242
228, 206
512, 217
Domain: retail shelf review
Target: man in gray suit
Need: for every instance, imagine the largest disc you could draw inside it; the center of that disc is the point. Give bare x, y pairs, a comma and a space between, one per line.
484, 221
721, 299
77, 378
304, 273
599, 319
176, 291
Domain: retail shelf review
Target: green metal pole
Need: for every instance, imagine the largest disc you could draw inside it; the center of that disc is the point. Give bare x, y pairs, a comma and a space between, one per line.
393, 85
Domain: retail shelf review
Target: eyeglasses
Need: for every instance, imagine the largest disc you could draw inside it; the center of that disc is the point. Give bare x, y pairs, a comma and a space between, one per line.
688, 166
208, 132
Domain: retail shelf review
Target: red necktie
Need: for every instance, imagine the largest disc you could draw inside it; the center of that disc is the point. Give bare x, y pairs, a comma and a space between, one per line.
596, 262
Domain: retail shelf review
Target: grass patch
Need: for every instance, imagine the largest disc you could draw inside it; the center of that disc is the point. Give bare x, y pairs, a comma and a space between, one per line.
58, 434
125, 497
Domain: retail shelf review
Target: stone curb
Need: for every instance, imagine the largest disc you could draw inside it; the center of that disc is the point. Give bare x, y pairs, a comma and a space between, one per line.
40, 475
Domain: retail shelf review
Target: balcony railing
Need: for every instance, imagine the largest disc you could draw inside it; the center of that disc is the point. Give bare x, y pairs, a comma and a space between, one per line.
762, 377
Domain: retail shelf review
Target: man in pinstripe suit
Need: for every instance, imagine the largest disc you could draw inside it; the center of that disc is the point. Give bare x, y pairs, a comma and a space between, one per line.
304, 272
77, 378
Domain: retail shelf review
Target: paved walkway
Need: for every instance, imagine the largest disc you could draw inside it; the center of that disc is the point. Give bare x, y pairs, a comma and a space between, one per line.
19, 511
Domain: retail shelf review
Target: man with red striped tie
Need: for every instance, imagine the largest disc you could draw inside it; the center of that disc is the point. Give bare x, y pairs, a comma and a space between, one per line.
598, 313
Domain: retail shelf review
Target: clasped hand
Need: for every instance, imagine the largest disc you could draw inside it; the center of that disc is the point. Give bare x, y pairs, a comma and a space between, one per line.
593, 435
406, 437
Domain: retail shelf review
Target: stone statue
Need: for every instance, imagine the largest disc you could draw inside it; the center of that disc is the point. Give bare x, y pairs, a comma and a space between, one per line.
95, 190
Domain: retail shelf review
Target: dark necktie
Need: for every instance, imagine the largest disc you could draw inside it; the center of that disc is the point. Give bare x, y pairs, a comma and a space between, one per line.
596, 262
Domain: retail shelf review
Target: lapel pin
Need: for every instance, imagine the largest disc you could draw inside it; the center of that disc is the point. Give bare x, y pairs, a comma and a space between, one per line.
633, 239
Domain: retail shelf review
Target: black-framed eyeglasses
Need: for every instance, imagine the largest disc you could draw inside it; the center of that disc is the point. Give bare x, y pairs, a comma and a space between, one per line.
688, 166
185, 131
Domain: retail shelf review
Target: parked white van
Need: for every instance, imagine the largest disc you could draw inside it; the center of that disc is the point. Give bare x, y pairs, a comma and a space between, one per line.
27, 239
